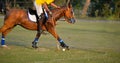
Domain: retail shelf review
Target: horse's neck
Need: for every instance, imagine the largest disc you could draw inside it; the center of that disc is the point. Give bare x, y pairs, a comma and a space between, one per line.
58, 13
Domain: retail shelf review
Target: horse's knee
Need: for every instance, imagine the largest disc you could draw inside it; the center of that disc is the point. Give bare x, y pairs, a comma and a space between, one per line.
5, 27
0, 30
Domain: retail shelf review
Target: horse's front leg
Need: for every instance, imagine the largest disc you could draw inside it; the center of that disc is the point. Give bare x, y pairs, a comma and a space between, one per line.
34, 43
53, 32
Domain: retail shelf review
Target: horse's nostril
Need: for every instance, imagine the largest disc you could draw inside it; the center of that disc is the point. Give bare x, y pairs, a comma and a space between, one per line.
72, 20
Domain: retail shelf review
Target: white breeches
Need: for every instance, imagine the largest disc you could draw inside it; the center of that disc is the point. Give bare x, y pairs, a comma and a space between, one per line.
38, 9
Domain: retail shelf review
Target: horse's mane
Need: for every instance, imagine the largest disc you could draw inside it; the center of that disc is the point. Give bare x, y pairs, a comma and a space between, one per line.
58, 9
58, 12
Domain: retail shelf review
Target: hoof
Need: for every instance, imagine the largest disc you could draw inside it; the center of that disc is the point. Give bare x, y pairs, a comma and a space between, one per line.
4, 46
34, 46
65, 48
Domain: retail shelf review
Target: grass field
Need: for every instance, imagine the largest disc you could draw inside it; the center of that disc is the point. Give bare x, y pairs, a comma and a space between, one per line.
90, 42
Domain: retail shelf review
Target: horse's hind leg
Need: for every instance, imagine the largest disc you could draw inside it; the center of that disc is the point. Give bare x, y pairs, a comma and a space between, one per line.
3, 37
5, 30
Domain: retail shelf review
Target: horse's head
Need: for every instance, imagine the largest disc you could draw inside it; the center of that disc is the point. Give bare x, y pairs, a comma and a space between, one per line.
69, 14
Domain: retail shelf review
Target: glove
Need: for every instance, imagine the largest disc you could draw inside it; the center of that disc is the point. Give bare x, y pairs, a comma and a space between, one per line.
58, 6
50, 13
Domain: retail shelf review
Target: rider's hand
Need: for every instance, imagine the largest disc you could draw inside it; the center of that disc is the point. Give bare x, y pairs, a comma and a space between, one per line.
50, 13
58, 6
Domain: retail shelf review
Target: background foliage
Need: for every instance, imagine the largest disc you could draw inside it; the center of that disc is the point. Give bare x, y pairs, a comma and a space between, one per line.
97, 8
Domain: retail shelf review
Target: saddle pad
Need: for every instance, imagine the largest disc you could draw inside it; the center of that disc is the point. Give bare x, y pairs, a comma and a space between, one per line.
32, 17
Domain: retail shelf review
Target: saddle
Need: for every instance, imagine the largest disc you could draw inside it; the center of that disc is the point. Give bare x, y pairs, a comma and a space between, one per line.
32, 15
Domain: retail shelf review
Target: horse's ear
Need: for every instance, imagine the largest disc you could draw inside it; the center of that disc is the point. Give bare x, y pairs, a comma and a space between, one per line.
8, 4
68, 3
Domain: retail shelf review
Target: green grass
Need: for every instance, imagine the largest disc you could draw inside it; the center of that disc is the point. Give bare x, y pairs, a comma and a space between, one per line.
90, 42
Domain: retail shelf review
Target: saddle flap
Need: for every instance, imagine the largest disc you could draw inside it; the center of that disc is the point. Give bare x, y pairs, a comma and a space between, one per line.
32, 15
32, 12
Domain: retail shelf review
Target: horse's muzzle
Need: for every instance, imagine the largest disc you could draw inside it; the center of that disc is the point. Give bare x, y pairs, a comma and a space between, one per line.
72, 20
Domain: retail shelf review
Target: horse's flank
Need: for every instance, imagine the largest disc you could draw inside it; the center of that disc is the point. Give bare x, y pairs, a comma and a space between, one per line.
19, 17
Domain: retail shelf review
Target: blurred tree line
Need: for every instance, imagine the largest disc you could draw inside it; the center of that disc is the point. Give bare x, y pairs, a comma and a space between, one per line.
17, 3
94, 8
104, 8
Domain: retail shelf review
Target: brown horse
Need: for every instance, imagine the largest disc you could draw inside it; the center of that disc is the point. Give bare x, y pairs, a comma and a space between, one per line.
19, 17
